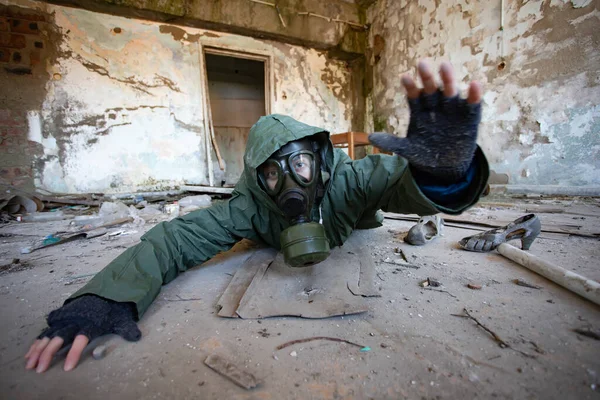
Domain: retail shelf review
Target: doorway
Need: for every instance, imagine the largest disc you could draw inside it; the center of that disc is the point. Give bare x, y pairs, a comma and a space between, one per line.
237, 97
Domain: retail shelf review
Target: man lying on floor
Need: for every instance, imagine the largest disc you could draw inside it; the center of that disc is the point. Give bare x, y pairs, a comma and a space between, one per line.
297, 193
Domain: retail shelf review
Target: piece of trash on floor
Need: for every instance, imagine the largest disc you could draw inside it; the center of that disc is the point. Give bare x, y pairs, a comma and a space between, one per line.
388, 260
474, 286
193, 203
365, 349
121, 232
172, 210
521, 282
231, 371
294, 354
14, 265
401, 253
588, 332
99, 352
430, 282
21, 203
310, 339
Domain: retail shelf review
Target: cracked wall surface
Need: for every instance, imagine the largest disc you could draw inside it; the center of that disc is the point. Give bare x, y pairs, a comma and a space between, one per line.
541, 76
121, 106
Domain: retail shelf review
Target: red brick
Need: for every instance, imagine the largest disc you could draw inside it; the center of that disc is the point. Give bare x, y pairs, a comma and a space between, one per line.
11, 173
4, 54
4, 24
24, 26
20, 182
16, 131
9, 142
13, 41
33, 147
7, 118
34, 58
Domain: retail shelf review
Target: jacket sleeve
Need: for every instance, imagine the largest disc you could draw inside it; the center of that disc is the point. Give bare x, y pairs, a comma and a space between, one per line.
169, 248
388, 184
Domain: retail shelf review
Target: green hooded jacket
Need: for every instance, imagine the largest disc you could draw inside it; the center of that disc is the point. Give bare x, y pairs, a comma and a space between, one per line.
353, 194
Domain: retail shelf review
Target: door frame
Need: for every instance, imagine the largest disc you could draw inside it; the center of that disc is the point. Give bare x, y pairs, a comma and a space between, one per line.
230, 51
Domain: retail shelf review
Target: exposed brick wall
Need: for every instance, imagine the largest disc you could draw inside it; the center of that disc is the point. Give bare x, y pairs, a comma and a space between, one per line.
21, 40
23, 50
15, 168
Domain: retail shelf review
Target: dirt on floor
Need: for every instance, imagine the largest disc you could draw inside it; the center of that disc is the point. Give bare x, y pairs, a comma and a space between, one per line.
419, 344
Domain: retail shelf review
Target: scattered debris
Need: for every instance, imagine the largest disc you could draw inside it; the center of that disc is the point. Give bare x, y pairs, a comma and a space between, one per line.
400, 252
231, 371
179, 298
20, 203
501, 342
430, 282
383, 345
588, 332
474, 286
264, 333
399, 263
294, 354
574, 230
310, 339
440, 290
99, 352
15, 265
71, 280
537, 348
521, 282
494, 335
365, 349
87, 232
550, 301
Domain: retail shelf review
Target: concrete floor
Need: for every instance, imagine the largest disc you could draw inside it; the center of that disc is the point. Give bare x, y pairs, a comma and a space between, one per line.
418, 349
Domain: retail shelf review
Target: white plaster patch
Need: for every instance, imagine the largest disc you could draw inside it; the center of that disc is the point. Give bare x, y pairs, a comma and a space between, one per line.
35, 134
580, 3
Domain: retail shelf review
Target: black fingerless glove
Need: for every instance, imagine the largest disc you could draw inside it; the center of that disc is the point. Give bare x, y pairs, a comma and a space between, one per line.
92, 316
441, 139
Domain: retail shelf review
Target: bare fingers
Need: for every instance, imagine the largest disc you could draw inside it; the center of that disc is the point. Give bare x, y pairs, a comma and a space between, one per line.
429, 85
48, 353
447, 76
34, 352
75, 353
427, 78
412, 91
475, 93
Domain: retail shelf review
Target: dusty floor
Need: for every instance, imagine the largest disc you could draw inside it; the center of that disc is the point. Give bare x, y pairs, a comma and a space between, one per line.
418, 349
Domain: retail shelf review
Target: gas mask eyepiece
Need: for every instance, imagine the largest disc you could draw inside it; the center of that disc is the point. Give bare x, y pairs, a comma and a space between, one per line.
290, 176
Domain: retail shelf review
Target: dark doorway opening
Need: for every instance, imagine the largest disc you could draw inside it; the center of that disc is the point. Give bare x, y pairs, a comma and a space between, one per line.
236, 90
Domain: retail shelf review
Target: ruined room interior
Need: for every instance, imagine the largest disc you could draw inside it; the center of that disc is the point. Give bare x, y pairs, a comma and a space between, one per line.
119, 116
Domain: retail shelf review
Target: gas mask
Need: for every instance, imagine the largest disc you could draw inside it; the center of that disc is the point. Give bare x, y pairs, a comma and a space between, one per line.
291, 177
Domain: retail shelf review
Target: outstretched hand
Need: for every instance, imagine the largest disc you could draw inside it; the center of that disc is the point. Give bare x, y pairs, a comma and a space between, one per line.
442, 132
78, 322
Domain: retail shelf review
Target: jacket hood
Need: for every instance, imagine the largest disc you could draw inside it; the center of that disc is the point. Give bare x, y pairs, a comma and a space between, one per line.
268, 135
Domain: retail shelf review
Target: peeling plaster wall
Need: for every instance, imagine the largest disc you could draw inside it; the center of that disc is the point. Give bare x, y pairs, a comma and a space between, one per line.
541, 119
122, 109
